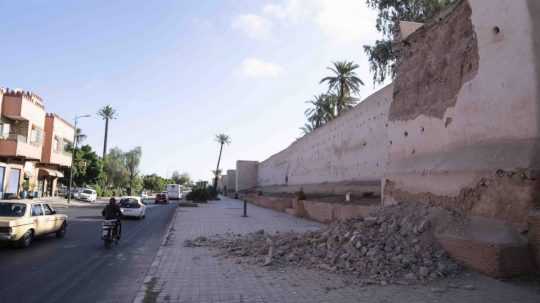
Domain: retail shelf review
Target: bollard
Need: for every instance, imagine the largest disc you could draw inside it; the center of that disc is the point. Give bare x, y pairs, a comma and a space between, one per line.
245, 209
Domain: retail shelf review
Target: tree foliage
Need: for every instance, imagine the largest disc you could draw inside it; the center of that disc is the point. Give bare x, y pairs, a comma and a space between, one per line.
154, 183
381, 56
87, 167
181, 178
344, 84
133, 159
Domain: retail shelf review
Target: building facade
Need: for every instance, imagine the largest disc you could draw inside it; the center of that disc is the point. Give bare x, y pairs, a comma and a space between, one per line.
33, 146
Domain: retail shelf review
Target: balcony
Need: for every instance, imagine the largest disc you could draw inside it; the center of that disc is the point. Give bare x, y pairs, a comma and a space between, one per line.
18, 146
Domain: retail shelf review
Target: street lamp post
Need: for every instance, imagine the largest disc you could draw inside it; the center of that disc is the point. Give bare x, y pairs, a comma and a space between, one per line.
73, 155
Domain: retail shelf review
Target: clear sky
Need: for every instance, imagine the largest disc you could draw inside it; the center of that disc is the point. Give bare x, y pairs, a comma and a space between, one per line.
179, 72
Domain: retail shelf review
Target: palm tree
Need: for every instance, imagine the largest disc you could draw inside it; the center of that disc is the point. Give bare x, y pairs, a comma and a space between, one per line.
322, 110
345, 83
307, 128
107, 113
221, 139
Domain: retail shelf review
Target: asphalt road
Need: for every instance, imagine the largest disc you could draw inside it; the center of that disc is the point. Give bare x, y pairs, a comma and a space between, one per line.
79, 268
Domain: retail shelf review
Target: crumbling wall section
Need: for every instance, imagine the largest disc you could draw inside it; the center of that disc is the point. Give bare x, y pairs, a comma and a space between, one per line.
464, 124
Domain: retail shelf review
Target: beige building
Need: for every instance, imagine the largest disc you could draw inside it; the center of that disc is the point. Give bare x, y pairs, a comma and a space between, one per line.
28, 160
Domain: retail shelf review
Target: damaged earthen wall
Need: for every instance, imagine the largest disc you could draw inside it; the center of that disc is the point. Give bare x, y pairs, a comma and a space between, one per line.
464, 125
342, 154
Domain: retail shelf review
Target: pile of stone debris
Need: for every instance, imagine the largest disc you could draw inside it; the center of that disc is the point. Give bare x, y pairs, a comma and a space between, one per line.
394, 245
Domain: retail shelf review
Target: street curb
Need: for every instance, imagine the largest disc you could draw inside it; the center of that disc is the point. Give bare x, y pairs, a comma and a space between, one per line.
139, 298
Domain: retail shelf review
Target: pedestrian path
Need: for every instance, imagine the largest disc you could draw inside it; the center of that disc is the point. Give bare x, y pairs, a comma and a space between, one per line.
188, 274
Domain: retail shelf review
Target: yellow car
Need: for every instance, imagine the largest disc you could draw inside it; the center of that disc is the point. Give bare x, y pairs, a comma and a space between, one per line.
21, 221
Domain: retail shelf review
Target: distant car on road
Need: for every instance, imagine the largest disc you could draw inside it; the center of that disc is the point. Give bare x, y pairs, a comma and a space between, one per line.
88, 194
174, 191
144, 195
21, 222
161, 198
132, 207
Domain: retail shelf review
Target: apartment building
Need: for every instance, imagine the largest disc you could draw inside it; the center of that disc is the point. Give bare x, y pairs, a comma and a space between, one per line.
30, 162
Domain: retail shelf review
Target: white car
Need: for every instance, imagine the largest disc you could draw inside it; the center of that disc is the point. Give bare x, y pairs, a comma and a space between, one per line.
87, 194
132, 207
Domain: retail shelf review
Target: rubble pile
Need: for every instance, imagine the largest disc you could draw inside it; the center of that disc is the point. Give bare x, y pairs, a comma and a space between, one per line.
394, 245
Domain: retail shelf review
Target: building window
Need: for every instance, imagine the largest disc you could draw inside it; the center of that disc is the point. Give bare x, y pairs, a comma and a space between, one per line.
36, 135
56, 145
66, 146
4, 130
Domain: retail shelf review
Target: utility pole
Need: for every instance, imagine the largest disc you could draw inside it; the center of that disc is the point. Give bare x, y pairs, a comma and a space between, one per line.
73, 155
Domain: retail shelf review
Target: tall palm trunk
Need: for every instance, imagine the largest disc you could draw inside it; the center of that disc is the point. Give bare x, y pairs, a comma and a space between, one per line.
105, 138
217, 167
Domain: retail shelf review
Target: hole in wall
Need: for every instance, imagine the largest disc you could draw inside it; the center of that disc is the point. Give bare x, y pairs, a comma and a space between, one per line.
413, 151
406, 134
390, 142
422, 129
496, 30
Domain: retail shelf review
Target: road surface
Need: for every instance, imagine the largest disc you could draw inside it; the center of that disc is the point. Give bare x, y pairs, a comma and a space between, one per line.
78, 268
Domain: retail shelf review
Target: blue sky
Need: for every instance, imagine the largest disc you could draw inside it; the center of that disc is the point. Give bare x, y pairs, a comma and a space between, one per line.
179, 72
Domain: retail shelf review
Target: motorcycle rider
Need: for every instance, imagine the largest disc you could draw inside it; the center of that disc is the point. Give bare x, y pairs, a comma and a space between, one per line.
112, 212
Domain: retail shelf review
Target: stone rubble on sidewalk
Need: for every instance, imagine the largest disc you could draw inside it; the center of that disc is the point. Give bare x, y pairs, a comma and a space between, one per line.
395, 245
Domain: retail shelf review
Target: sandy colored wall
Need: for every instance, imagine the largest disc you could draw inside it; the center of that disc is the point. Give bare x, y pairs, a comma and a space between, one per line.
231, 180
246, 174
464, 124
351, 148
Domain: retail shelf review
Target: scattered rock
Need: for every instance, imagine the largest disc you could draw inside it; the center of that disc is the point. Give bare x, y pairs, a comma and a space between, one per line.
393, 245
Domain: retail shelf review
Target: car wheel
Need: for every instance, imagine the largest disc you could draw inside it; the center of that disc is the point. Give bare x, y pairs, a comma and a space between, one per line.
27, 239
62, 231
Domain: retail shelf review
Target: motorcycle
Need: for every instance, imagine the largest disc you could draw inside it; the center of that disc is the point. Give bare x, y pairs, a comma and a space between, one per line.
109, 232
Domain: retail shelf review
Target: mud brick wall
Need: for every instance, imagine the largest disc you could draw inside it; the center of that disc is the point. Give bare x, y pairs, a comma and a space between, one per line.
463, 128
534, 235
348, 150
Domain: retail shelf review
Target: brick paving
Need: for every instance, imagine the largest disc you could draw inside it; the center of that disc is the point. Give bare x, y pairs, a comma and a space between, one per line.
195, 275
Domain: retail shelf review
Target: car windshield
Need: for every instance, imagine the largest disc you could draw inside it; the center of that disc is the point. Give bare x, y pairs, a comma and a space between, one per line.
129, 203
87, 191
12, 209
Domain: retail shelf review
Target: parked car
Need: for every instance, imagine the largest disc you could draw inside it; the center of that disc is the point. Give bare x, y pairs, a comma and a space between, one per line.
21, 222
87, 194
132, 207
75, 192
161, 198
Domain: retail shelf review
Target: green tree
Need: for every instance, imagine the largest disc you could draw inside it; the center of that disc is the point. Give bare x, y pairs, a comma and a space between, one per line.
117, 175
133, 159
381, 55
345, 83
307, 128
107, 113
87, 167
221, 139
154, 183
180, 178
322, 110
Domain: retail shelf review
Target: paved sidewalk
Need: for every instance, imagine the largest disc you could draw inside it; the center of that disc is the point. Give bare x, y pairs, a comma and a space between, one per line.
194, 275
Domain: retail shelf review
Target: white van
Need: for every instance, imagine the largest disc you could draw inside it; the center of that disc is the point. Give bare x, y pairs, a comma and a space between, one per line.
174, 191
